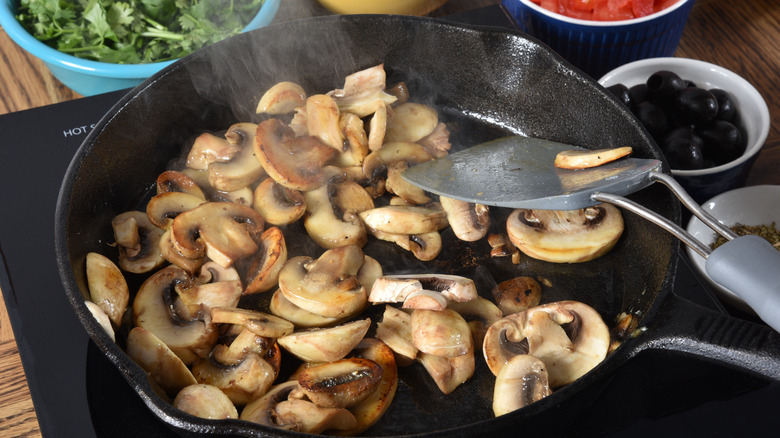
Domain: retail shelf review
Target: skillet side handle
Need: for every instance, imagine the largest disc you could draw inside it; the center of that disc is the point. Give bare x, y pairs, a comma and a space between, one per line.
688, 328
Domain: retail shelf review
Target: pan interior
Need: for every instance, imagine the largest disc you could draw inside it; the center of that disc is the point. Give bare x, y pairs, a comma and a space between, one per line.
484, 83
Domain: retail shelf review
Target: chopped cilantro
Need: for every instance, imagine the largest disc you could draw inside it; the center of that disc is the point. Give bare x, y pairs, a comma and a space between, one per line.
134, 31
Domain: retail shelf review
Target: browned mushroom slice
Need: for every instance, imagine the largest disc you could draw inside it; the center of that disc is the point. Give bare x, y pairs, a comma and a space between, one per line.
441, 333
470, 222
277, 204
411, 122
175, 181
583, 159
261, 410
400, 219
340, 384
205, 401
398, 185
448, 372
163, 208
327, 344
377, 127
172, 255
157, 359
267, 262
208, 148
223, 231
424, 246
569, 236
259, 323
322, 121
243, 169
395, 330
327, 286
107, 286
242, 382
189, 340
294, 162
139, 242
194, 298
356, 141
281, 98
437, 143
568, 336
522, 381
517, 294
304, 416
377, 161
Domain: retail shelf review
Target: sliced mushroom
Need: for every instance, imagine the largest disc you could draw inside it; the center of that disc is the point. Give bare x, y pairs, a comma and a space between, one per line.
501, 246
277, 204
283, 308
362, 92
400, 219
261, 411
437, 143
281, 98
332, 209
327, 286
153, 310
306, 417
195, 298
377, 127
208, 148
163, 208
398, 185
175, 181
294, 162
395, 330
411, 122
102, 318
568, 336
393, 152
425, 299
582, 159
205, 401
172, 255
569, 236
243, 196
322, 121
211, 272
441, 333
448, 372
480, 313
139, 242
340, 384
267, 262
223, 231
517, 294
355, 141
157, 359
470, 222
259, 323
327, 344
521, 381
396, 288
243, 169
424, 246
107, 287
243, 382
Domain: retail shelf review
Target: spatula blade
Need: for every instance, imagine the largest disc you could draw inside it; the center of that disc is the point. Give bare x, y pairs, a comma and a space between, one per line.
518, 172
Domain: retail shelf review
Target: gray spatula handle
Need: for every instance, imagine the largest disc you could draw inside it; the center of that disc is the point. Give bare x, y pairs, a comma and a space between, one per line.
749, 266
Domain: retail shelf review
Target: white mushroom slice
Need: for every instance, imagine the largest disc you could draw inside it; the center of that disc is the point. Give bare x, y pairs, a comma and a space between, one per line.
259, 323
243, 344
208, 148
340, 384
522, 381
322, 121
425, 299
372, 78
195, 298
411, 122
448, 372
294, 162
306, 417
453, 287
265, 264
517, 294
281, 98
399, 219
243, 169
102, 318
298, 122
441, 333
424, 246
470, 222
569, 352
223, 231
107, 287
480, 313
211, 272
243, 196
283, 308
157, 359
277, 204
139, 242
437, 143
356, 141
393, 289
377, 127
175, 181
327, 344
189, 340
395, 330
583, 159
243, 382
261, 411
398, 185
369, 272
329, 229
327, 286
205, 401
365, 103
570, 236
392, 152
163, 208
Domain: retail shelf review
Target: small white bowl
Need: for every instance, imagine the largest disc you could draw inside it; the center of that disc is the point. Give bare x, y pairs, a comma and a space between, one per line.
703, 184
753, 205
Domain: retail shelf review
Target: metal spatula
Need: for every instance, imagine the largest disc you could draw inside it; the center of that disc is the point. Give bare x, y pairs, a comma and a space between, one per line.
518, 172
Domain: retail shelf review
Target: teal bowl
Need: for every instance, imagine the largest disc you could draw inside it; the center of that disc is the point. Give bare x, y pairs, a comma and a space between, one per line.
87, 77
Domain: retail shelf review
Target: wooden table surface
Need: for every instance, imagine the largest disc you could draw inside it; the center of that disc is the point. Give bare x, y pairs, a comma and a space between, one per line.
741, 36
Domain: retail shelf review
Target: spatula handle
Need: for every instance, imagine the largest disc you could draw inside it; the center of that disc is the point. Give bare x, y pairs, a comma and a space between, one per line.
749, 266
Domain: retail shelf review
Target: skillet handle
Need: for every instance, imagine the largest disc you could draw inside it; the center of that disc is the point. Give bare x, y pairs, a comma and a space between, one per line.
689, 328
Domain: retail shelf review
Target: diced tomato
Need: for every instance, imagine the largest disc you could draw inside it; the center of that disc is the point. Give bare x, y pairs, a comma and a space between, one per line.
579, 5
552, 5
642, 7
660, 5
605, 10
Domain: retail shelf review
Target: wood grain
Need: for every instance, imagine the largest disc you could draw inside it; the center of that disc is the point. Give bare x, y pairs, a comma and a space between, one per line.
739, 35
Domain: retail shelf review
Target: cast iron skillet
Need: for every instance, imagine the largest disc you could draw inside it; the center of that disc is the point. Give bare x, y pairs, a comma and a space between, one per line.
485, 83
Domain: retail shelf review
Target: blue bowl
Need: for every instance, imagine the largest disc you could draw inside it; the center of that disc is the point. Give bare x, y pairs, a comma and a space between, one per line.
597, 47
91, 77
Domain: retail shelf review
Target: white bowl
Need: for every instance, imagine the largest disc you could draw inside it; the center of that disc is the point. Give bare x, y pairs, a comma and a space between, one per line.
754, 205
703, 184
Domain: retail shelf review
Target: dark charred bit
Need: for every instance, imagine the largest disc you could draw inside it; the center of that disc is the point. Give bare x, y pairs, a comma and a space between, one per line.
594, 215
514, 348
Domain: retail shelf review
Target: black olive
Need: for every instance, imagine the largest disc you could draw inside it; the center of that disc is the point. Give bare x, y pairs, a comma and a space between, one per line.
726, 107
653, 118
621, 92
683, 154
638, 94
723, 141
696, 105
685, 132
665, 84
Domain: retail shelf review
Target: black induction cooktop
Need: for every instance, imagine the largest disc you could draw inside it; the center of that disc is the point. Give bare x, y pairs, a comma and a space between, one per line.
77, 392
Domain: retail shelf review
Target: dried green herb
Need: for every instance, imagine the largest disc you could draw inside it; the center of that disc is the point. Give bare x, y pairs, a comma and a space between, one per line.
768, 232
